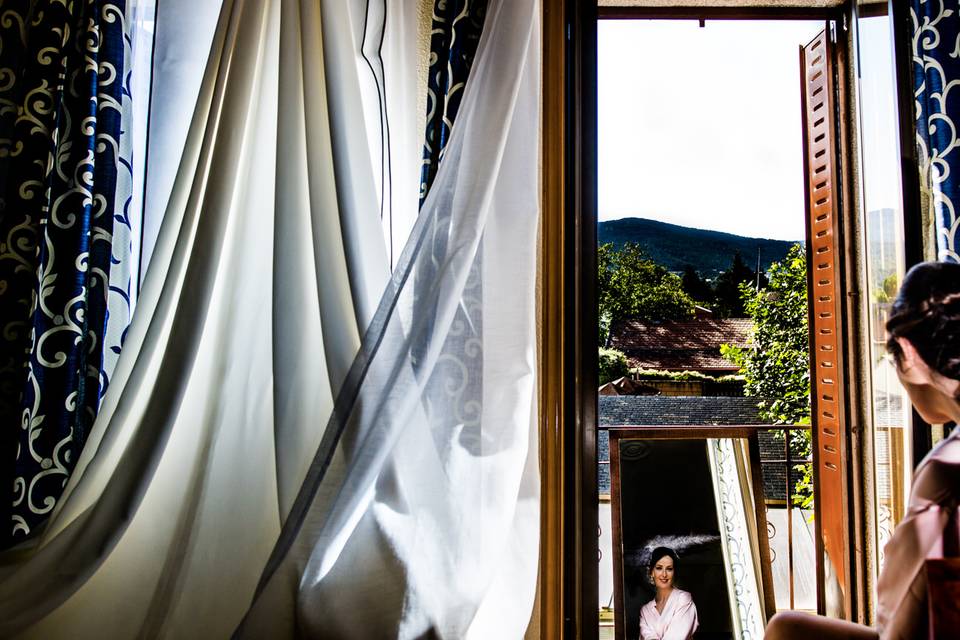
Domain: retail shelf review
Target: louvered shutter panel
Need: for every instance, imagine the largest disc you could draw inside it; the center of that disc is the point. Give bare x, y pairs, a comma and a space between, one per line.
824, 269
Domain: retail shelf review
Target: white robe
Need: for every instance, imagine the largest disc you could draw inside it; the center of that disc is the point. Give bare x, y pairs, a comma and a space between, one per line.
677, 622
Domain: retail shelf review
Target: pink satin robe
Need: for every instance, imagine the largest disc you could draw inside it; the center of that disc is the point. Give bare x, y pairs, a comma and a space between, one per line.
677, 622
902, 587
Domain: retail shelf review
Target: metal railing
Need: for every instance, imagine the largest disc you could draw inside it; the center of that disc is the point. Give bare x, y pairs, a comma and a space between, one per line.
790, 461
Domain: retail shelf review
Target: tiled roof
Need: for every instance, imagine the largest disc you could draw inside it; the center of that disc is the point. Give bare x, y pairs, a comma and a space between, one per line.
691, 345
666, 410
677, 410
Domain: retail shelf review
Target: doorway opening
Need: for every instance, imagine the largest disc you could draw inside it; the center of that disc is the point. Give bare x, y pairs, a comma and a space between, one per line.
717, 290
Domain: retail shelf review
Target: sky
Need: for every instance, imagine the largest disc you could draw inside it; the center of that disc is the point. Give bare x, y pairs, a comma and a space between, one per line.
702, 126
878, 118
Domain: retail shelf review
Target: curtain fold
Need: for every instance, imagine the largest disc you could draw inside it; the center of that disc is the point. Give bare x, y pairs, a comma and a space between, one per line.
936, 69
421, 506
220, 435
65, 236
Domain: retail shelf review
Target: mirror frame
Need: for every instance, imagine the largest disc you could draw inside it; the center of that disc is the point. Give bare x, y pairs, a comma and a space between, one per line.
749, 433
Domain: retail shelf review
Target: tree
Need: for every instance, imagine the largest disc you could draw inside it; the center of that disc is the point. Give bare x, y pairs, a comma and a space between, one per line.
776, 366
613, 365
728, 302
630, 285
695, 286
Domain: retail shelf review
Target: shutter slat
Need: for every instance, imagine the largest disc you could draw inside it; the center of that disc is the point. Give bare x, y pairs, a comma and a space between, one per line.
823, 246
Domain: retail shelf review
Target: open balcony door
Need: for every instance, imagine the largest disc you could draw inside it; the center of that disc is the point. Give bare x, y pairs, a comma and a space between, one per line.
825, 296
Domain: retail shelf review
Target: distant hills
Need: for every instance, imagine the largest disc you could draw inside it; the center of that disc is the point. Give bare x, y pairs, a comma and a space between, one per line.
675, 247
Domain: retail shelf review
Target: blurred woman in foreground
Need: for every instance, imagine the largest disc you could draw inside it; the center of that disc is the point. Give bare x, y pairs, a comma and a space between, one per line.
924, 340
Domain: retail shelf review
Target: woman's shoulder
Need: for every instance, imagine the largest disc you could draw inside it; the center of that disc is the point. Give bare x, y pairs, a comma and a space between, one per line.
947, 451
938, 475
681, 596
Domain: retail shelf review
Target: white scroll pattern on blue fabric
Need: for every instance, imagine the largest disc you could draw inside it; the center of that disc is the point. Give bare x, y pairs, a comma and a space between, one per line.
65, 187
936, 64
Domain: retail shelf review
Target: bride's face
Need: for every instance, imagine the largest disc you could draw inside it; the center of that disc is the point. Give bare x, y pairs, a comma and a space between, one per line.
663, 573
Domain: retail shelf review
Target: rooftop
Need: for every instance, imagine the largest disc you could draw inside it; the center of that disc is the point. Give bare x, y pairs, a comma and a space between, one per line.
666, 410
680, 345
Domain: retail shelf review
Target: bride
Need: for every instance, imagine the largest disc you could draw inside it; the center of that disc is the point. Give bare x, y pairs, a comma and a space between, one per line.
671, 615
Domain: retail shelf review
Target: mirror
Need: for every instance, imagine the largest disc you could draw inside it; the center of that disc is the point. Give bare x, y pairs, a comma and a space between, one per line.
689, 490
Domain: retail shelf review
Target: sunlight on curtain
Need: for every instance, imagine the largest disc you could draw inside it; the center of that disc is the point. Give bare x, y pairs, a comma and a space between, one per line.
425, 512
180, 56
141, 23
418, 512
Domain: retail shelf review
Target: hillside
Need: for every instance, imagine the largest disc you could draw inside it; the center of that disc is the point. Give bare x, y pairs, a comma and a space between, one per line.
673, 246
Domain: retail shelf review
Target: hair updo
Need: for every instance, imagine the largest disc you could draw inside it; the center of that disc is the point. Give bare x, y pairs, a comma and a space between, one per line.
659, 553
927, 313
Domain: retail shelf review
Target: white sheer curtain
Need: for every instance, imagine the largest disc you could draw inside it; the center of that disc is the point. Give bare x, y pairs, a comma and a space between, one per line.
216, 463
426, 510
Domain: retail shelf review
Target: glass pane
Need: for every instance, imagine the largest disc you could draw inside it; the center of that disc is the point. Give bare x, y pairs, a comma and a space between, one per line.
885, 268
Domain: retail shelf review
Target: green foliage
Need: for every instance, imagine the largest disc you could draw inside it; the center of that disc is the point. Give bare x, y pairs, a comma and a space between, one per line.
887, 290
776, 366
679, 376
613, 365
728, 301
890, 286
630, 285
731, 377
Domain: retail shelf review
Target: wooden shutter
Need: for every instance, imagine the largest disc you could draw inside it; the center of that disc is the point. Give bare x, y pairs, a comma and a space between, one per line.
824, 252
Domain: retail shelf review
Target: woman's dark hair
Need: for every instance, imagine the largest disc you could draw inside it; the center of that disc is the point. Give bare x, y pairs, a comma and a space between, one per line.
927, 313
659, 553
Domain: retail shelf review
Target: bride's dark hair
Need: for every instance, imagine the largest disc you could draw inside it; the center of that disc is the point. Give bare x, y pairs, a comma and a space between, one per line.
659, 553
927, 313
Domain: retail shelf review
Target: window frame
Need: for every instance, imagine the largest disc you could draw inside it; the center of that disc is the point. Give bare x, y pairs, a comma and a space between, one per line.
568, 416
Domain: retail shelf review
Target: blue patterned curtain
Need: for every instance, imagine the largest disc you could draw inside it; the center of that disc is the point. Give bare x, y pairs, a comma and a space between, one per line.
455, 33
936, 59
64, 238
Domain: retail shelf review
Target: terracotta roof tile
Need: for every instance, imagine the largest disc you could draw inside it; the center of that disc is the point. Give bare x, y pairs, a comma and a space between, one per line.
692, 345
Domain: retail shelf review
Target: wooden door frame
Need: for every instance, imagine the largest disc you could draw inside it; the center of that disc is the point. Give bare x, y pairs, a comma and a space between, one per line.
568, 321
568, 312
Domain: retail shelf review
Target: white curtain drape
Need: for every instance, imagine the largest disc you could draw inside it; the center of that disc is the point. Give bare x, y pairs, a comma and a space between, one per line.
180, 51
426, 510
220, 462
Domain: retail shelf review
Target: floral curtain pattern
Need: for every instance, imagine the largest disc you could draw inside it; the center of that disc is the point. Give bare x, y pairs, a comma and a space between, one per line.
454, 36
65, 187
457, 27
936, 61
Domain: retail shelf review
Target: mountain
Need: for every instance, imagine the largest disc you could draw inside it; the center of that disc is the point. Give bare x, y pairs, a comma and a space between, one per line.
673, 246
